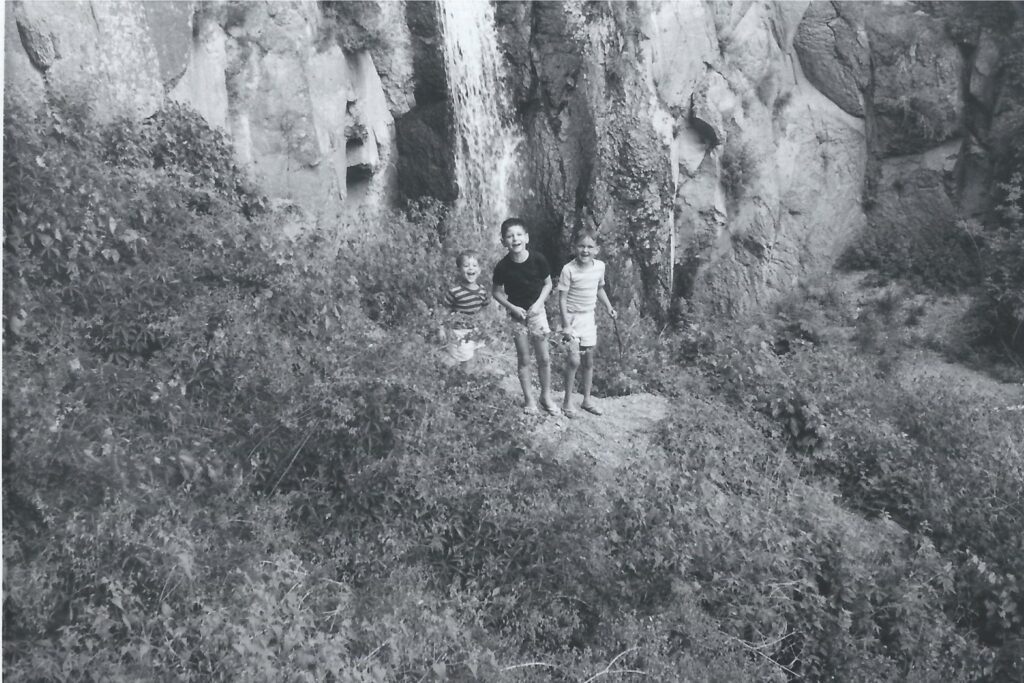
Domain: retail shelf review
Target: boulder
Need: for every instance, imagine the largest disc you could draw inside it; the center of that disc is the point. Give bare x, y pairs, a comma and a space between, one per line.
834, 54
915, 196
916, 87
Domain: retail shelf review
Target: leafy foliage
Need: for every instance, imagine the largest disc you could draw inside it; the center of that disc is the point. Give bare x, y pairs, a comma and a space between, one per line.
1000, 245
945, 469
227, 456
738, 168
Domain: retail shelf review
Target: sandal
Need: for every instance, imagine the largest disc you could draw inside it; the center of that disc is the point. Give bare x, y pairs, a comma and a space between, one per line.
551, 409
530, 410
592, 409
570, 413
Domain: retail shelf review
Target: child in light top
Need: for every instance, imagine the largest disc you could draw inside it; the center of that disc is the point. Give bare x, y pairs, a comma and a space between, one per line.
580, 287
464, 300
522, 282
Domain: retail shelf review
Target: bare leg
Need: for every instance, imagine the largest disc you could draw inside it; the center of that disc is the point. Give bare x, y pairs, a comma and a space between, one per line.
587, 361
523, 359
572, 362
540, 350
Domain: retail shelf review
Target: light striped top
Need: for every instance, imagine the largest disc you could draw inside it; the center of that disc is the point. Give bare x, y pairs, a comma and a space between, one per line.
461, 299
582, 285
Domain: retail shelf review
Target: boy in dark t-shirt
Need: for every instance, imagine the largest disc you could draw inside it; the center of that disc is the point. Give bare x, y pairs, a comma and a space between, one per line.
522, 282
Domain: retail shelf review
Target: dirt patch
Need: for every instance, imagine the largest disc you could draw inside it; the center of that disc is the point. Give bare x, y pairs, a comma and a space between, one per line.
612, 440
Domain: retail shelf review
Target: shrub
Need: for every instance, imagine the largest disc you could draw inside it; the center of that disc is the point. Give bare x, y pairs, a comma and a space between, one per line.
787, 571
1000, 245
941, 258
738, 169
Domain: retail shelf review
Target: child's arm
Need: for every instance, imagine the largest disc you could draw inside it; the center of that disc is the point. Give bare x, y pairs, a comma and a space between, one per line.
603, 298
563, 309
498, 292
564, 284
538, 305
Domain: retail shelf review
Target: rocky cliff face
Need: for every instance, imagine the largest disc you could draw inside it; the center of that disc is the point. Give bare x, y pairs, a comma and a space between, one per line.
688, 133
313, 121
725, 150
925, 79
730, 150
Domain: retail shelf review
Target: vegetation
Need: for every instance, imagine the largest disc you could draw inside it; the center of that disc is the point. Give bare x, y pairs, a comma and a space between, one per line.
980, 255
226, 458
738, 167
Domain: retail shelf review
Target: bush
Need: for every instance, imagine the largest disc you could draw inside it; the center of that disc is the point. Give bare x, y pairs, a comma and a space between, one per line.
222, 447
228, 456
787, 571
738, 169
1000, 245
941, 258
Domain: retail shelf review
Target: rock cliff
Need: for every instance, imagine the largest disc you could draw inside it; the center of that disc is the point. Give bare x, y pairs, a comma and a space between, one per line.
726, 150
688, 132
307, 99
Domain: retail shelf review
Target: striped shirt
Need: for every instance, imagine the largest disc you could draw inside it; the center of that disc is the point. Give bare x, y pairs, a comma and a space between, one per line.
461, 299
581, 285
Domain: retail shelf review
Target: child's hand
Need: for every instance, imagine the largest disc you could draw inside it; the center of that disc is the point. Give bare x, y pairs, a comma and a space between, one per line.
613, 313
442, 336
519, 313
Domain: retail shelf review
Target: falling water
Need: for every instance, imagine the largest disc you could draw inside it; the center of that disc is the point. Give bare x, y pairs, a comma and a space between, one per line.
487, 142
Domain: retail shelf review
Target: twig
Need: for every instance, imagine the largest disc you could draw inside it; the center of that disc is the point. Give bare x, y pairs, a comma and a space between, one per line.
618, 337
375, 651
615, 671
295, 455
529, 664
753, 649
608, 668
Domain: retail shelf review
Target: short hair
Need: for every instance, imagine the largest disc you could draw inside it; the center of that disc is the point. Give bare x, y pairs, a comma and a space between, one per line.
466, 254
509, 223
585, 233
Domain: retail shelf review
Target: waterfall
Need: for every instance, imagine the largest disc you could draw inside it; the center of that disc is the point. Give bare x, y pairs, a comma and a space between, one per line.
486, 140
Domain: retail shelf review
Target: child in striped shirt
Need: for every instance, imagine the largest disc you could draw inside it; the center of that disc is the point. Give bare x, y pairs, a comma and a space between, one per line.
463, 301
580, 287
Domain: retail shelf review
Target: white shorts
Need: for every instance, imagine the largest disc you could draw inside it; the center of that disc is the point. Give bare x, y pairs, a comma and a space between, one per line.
460, 348
536, 324
583, 327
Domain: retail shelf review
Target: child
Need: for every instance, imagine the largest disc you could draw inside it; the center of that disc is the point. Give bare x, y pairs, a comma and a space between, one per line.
522, 282
580, 286
464, 300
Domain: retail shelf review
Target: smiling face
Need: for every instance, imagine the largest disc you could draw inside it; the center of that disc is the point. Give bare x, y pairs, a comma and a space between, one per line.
469, 269
586, 249
515, 240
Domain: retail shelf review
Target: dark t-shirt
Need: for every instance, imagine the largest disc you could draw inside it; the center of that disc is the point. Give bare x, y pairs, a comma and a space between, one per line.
522, 281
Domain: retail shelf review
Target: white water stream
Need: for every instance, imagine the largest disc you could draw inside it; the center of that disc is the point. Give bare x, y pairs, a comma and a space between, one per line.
486, 139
